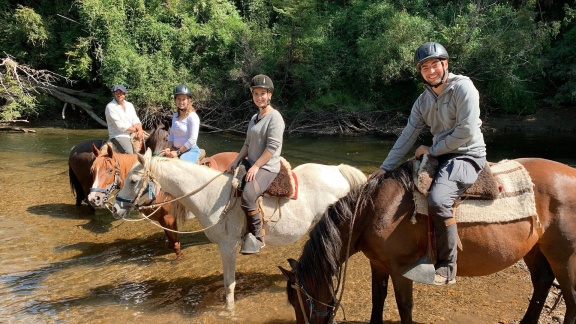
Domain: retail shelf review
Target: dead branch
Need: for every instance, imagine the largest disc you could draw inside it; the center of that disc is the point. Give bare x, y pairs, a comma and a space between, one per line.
21, 83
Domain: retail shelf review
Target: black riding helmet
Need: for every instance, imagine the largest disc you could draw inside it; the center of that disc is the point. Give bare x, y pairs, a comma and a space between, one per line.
262, 81
182, 89
429, 50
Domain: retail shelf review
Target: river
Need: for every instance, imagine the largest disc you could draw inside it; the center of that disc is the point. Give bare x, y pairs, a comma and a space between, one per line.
63, 264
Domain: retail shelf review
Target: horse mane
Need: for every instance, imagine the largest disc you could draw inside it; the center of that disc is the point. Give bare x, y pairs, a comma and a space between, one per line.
321, 254
157, 140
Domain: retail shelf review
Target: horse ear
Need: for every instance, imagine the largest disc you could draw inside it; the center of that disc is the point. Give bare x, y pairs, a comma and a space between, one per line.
293, 264
141, 159
110, 150
288, 274
145, 159
95, 150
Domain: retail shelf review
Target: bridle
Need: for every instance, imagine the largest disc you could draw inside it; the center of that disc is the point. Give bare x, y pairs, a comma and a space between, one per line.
116, 184
149, 189
301, 292
335, 303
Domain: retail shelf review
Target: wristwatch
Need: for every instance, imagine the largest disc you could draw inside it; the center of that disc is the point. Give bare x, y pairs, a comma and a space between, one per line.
178, 153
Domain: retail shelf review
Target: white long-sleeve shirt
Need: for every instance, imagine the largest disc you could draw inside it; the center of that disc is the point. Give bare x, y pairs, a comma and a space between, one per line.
184, 133
119, 120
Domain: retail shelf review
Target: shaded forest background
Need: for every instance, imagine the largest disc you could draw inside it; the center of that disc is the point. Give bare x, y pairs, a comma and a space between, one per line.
339, 66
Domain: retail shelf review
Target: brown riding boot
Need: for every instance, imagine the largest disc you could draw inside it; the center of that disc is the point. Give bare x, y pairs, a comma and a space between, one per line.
254, 239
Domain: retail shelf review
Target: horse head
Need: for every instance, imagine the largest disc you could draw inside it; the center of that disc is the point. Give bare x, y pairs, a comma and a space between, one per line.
158, 140
105, 175
138, 183
312, 302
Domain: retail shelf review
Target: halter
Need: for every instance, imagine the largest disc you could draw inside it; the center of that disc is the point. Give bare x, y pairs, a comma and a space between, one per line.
149, 189
334, 304
114, 185
301, 290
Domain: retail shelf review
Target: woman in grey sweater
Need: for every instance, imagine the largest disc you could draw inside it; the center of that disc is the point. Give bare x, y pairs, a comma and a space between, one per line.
261, 156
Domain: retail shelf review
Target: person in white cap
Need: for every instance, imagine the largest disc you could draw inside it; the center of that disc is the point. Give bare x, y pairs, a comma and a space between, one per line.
122, 120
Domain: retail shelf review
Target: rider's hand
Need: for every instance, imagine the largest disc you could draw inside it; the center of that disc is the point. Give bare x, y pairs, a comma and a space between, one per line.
252, 173
377, 173
230, 168
421, 150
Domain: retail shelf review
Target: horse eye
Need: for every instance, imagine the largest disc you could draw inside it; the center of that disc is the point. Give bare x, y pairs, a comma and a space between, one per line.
109, 170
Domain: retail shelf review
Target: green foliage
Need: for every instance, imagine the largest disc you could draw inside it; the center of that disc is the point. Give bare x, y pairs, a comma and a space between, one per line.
333, 56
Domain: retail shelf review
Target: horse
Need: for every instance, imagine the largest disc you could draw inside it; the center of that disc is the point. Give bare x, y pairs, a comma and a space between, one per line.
81, 158
208, 194
378, 220
79, 163
109, 171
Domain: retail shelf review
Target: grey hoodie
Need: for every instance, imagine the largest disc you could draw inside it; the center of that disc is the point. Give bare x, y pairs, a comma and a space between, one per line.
454, 120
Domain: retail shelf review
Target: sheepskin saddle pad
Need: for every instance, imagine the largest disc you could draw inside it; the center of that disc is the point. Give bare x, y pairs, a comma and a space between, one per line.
285, 184
486, 186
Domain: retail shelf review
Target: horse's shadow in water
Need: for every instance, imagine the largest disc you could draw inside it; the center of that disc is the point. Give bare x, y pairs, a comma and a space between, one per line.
141, 251
184, 295
99, 221
65, 211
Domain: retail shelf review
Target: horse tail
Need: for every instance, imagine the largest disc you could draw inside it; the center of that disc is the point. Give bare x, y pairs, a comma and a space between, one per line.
353, 176
321, 256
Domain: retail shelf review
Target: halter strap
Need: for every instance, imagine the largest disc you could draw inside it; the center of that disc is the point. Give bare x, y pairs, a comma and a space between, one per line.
113, 185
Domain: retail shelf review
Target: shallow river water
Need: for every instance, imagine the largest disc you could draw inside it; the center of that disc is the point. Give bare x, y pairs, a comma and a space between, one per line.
64, 264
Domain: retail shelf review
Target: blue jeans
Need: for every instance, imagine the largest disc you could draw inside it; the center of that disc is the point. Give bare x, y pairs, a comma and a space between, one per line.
191, 155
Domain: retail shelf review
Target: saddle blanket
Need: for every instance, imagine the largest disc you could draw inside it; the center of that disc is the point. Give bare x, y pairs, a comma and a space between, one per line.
515, 201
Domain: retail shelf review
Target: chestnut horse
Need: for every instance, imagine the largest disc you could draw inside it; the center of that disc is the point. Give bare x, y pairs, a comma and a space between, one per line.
81, 158
377, 218
109, 171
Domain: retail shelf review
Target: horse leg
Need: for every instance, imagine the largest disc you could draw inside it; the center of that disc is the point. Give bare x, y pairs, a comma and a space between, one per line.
76, 187
168, 221
228, 254
403, 291
566, 275
542, 278
379, 293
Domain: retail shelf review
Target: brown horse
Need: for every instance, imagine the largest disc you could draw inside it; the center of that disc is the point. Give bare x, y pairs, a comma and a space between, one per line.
79, 163
109, 170
81, 159
377, 218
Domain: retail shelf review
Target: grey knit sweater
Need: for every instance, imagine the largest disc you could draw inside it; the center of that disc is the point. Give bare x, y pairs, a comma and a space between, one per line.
454, 120
266, 134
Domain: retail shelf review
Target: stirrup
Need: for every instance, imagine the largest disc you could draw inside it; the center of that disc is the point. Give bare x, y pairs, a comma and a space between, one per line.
251, 244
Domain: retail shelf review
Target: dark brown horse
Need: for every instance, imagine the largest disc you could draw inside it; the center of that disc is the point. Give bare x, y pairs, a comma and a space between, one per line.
79, 163
381, 229
81, 159
109, 172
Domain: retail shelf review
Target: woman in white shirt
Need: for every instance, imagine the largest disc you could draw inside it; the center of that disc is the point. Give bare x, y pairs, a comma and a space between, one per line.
185, 127
122, 120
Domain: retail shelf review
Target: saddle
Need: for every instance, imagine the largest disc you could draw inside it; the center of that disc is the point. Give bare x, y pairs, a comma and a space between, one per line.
486, 186
285, 185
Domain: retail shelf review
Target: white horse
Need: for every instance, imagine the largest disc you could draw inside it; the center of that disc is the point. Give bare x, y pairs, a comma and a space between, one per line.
287, 220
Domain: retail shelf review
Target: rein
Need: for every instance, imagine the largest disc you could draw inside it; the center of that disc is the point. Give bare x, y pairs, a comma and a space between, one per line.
141, 192
332, 309
195, 191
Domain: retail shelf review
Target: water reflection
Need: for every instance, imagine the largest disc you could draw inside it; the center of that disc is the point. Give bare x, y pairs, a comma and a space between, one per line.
64, 264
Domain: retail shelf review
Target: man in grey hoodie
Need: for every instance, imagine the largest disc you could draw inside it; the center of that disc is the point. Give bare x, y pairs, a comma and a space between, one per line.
450, 106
